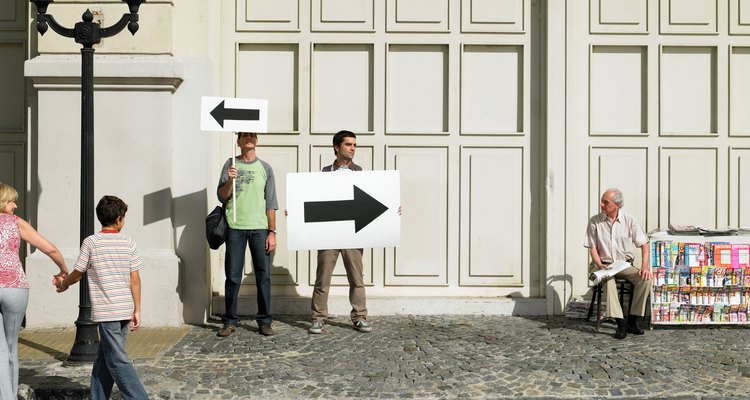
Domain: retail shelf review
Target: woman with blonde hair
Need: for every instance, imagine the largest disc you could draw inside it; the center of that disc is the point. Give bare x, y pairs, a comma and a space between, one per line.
14, 288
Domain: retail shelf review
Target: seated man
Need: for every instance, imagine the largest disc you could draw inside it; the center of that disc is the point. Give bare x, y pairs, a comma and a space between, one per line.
609, 236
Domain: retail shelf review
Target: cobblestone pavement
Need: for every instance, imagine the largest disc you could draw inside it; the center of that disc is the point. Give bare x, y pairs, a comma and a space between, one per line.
434, 357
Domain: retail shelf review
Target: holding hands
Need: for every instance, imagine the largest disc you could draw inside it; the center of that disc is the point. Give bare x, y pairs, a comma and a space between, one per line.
58, 282
62, 280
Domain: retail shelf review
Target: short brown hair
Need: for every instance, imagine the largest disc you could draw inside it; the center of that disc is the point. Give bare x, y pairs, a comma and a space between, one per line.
109, 209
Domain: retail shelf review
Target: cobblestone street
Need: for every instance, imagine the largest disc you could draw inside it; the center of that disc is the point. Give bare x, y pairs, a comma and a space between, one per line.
434, 357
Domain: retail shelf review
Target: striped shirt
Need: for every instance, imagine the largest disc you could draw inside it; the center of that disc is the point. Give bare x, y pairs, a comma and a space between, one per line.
109, 258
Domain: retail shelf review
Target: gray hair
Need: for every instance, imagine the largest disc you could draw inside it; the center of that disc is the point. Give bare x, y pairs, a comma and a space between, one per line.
616, 195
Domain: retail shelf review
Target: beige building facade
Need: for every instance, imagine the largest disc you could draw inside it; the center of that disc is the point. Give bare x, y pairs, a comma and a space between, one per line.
505, 118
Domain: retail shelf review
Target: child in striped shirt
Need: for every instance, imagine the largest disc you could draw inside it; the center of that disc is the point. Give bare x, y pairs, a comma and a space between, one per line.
112, 263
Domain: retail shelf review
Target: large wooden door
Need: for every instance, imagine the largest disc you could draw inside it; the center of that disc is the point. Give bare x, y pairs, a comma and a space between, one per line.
658, 105
13, 129
445, 91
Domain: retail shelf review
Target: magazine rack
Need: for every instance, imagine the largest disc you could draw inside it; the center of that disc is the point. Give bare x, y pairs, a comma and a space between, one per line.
700, 280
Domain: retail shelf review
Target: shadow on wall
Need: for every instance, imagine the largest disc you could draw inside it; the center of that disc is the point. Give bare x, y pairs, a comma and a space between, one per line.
560, 300
187, 212
285, 296
288, 303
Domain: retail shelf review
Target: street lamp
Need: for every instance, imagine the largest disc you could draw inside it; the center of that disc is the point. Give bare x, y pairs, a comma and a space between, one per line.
87, 33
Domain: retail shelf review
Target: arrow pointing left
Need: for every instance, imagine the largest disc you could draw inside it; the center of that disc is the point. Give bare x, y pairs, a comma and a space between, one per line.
234, 114
363, 209
221, 113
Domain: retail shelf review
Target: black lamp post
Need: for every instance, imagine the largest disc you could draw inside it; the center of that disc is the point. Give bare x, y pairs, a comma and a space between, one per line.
87, 33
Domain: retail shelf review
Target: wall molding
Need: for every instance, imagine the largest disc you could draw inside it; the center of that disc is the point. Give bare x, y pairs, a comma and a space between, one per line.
133, 73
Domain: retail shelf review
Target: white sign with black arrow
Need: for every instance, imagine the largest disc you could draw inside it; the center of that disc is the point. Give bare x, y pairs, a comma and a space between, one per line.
234, 115
337, 210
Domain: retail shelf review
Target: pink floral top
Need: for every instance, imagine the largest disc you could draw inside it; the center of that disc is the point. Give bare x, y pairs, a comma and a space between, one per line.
11, 271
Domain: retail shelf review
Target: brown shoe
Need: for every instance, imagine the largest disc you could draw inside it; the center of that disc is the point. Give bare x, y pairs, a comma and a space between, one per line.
266, 330
226, 330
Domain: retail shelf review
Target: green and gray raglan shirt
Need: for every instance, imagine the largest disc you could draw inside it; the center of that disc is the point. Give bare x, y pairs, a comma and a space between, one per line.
256, 194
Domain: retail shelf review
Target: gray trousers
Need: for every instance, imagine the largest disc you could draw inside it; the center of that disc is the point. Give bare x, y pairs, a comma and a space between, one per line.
12, 307
641, 290
353, 265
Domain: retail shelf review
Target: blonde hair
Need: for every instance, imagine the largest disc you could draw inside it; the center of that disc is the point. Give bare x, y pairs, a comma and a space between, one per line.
7, 194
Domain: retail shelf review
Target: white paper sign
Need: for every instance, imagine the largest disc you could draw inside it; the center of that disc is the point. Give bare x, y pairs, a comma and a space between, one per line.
343, 210
234, 115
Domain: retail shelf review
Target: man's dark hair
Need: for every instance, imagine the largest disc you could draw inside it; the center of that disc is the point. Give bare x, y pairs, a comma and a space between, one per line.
253, 134
338, 138
109, 208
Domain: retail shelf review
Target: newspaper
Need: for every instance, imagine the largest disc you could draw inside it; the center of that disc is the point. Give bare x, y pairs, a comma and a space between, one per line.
691, 230
612, 269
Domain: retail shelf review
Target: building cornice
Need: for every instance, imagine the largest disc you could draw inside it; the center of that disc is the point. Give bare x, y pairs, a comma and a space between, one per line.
111, 72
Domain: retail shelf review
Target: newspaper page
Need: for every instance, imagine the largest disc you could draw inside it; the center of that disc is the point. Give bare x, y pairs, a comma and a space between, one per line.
612, 269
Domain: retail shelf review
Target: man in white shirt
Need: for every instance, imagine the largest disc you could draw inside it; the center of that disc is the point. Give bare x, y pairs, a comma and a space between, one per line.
609, 237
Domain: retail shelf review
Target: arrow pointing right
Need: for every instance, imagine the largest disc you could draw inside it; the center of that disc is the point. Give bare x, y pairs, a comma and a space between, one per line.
363, 209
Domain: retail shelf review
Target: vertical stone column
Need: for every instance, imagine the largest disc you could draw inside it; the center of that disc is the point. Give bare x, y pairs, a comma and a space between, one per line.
559, 279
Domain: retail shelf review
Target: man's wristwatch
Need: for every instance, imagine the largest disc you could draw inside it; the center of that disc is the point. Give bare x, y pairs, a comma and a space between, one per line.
272, 231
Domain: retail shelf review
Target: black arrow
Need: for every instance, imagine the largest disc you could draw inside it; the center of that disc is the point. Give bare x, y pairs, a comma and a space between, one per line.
363, 209
221, 114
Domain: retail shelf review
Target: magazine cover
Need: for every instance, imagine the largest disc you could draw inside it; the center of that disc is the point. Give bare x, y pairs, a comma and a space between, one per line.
742, 313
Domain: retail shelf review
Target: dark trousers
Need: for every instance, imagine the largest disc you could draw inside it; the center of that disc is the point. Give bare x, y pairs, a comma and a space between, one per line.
234, 264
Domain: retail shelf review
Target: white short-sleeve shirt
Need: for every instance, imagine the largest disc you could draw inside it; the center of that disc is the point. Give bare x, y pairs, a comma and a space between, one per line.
613, 240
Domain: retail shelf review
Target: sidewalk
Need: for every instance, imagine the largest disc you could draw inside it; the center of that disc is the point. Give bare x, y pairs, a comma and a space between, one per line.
412, 357
41, 353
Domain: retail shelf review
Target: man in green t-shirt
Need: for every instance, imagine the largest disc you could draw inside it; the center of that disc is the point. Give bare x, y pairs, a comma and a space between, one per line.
254, 205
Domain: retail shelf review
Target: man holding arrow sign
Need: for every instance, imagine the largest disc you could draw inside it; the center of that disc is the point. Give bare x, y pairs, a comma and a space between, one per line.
254, 204
344, 146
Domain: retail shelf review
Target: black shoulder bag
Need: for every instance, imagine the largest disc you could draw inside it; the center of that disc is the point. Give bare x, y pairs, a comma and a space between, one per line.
216, 227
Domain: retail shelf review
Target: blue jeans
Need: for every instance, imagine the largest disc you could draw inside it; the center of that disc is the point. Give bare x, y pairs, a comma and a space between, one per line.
234, 263
112, 364
13, 303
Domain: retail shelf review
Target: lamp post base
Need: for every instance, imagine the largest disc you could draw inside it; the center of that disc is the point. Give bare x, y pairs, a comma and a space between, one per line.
86, 344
